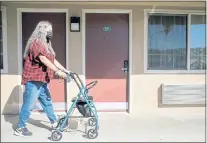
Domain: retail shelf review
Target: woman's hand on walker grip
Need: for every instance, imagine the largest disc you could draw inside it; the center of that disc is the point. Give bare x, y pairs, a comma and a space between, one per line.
61, 74
68, 72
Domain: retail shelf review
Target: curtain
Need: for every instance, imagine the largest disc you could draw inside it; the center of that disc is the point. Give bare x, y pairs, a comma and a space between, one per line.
167, 42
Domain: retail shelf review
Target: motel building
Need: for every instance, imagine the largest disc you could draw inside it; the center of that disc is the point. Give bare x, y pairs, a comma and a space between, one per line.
146, 56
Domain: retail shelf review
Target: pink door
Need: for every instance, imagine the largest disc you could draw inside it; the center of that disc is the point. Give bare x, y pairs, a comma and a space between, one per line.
107, 44
29, 22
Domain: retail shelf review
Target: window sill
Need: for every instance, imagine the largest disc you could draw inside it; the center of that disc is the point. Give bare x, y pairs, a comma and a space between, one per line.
175, 71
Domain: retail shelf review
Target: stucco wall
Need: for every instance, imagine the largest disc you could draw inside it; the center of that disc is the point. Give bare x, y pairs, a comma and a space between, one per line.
145, 88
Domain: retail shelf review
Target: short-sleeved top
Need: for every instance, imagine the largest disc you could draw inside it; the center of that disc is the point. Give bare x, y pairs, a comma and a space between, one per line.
34, 69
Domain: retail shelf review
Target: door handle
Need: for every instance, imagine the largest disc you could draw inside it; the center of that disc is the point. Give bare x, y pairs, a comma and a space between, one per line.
123, 69
126, 65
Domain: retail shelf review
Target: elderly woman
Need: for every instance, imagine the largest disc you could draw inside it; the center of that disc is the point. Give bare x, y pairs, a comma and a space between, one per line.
39, 67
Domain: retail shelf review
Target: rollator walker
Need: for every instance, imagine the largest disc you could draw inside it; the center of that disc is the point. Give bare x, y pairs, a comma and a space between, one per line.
85, 106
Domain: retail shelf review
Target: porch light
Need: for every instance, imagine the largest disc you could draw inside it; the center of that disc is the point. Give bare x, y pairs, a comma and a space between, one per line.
75, 24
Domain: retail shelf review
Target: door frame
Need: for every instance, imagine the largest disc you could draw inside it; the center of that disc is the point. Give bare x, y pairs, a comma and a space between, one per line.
112, 11
19, 41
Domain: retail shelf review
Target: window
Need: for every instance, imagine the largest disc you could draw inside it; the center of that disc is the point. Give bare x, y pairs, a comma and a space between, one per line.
176, 42
197, 42
3, 40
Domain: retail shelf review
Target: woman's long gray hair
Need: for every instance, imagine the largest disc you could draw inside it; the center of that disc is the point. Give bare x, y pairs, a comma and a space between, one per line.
40, 34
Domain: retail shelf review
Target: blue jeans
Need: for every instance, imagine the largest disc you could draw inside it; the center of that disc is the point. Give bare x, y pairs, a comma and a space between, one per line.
35, 90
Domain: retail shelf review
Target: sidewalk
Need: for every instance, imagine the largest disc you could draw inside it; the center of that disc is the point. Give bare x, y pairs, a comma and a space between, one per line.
115, 127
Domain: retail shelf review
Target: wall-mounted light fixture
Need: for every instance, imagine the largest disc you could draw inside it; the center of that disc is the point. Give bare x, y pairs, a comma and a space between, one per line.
75, 24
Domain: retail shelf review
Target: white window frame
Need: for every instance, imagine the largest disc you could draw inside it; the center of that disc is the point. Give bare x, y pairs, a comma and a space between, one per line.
160, 11
4, 31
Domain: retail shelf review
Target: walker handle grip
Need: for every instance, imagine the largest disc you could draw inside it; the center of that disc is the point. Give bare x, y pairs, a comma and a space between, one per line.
91, 84
75, 76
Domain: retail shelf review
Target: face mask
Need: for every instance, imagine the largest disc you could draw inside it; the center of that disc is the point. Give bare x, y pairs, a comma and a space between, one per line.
49, 34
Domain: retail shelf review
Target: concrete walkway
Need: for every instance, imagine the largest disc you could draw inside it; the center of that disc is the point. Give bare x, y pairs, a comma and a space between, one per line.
115, 127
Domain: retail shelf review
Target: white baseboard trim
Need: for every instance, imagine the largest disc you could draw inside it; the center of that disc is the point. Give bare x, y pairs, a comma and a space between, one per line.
111, 105
99, 106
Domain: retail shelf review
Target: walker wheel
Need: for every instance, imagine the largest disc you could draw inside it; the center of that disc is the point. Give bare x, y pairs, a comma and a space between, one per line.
56, 135
92, 122
92, 134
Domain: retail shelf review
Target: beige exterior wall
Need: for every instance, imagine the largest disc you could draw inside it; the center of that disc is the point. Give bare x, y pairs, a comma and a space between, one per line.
145, 88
